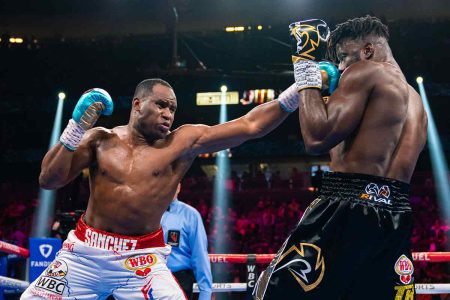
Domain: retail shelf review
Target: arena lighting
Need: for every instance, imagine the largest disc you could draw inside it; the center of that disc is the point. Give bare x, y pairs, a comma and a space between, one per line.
43, 216
438, 162
259, 27
419, 80
221, 196
61, 96
234, 28
16, 40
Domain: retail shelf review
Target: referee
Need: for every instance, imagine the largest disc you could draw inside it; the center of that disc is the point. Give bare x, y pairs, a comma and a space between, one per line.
189, 262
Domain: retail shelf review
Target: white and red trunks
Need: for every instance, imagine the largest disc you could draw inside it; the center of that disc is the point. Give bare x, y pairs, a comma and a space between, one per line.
94, 264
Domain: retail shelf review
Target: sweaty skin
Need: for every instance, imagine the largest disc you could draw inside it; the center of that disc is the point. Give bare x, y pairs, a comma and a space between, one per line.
135, 169
374, 123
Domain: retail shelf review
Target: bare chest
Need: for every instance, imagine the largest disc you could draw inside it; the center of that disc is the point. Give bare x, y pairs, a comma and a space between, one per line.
125, 165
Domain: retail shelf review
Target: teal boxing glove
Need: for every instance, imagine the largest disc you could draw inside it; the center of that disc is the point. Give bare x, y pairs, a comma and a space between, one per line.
90, 106
330, 76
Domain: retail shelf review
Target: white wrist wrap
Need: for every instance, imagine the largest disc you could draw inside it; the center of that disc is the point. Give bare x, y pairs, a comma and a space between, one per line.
72, 135
289, 99
307, 74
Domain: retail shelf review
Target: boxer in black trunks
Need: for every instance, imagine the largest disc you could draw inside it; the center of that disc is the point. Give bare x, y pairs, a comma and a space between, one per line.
353, 240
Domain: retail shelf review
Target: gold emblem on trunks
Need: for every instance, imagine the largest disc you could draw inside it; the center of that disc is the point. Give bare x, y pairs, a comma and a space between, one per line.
305, 263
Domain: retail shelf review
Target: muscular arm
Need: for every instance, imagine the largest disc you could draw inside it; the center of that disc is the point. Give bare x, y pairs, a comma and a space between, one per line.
256, 123
323, 126
60, 165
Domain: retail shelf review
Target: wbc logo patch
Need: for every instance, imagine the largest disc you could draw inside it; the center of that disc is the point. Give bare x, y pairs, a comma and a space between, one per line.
52, 279
141, 264
404, 268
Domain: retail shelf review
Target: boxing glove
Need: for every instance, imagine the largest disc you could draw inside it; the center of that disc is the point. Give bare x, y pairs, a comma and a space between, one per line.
330, 77
90, 106
309, 41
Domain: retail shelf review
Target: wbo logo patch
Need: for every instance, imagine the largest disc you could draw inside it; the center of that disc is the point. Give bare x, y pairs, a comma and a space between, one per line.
378, 194
404, 268
173, 238
140, 264
305, 263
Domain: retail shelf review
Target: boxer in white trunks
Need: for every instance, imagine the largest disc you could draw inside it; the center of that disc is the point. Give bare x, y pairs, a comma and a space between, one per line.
117, 247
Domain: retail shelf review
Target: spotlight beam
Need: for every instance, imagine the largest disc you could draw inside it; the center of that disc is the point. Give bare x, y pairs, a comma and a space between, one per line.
44, 213
438, 161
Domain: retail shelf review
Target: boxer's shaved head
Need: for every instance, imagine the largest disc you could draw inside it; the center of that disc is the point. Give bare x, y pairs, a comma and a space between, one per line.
356, 29
145, 87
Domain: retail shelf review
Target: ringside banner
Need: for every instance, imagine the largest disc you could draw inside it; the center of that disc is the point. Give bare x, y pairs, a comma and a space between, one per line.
42, 253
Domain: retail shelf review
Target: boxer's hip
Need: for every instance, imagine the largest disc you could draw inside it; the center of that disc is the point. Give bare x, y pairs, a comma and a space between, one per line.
367, 190
86, 240
355, 219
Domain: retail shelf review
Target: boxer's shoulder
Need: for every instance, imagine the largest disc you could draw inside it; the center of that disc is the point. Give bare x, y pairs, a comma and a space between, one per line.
365, 72
189, 132
362, 67
99, 133
96, 135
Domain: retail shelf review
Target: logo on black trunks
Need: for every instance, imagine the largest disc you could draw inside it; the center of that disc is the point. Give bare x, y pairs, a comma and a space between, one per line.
173, 238
305, 263
404, 292
404, 268
377, 194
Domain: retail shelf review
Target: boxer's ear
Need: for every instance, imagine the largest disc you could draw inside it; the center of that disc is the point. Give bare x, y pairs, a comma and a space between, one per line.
136, 104
367, 51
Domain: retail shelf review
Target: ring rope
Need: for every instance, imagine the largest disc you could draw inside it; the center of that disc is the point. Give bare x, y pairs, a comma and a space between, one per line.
421, 288
267, 258
10, 283
242, 258
13, 249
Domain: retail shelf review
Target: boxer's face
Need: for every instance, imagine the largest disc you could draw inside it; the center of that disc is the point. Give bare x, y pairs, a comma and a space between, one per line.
348, 52
155, 113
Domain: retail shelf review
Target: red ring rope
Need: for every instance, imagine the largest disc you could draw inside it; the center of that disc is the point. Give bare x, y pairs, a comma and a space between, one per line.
13, 249
267, 258
242, 258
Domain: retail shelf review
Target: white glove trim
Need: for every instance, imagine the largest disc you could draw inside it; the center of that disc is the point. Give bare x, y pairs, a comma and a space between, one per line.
72, 135
307, 74
289, 99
